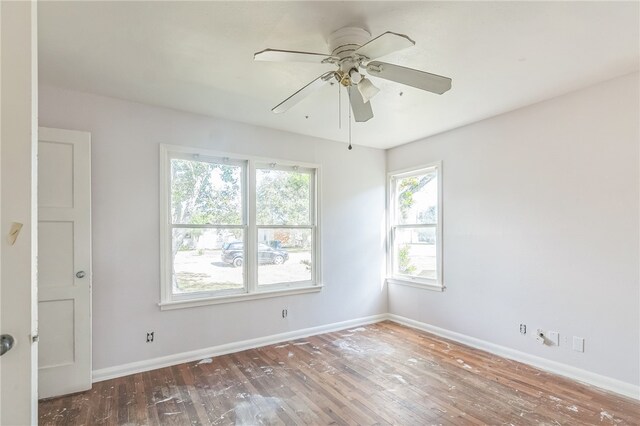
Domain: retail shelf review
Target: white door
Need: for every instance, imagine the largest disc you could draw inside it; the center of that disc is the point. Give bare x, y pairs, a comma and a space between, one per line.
18, 144
64, 261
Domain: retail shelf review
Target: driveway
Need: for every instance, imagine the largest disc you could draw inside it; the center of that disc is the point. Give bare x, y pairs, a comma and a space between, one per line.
203, 270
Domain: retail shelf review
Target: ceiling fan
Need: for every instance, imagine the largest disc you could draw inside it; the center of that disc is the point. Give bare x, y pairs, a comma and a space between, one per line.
353, 51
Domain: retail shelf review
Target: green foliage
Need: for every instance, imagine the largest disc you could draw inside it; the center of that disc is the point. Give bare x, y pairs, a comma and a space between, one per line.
405, 197
205, 193
282, 197
407, 187
404, 262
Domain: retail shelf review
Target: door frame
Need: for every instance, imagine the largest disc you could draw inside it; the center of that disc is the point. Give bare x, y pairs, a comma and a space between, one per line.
18, 184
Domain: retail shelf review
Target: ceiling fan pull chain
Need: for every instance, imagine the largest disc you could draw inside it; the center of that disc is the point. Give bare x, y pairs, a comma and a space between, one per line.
339, 108
350, 147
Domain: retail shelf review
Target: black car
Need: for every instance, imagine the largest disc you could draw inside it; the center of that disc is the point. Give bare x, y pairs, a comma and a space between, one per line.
233, 253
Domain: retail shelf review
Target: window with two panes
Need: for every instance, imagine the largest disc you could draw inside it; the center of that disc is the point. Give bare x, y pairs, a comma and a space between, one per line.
220, 219
415, 231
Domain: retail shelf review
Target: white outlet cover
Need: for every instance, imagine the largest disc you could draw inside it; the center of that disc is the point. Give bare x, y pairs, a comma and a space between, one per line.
578, 344
554, 337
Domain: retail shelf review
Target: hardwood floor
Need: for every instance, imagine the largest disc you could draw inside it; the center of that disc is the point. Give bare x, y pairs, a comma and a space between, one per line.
379, 374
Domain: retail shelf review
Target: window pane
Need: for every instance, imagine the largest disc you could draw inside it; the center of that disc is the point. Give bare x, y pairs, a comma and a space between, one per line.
284, 255
283, 197
415, 252
417, 199
205, 193
207, 259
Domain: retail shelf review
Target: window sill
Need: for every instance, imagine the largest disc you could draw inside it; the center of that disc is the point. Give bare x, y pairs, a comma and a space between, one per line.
415, 284
204, 301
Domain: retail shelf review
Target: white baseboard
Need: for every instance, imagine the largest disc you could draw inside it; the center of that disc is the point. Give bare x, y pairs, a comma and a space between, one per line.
584, 376
179, 358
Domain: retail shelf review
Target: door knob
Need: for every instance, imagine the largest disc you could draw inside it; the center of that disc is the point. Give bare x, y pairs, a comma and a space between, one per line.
80, 274
6, 343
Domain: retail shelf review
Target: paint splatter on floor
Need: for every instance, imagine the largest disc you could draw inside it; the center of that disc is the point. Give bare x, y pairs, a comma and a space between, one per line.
382, 374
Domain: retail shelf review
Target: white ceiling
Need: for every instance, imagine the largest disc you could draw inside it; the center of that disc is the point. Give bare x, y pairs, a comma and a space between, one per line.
198, 57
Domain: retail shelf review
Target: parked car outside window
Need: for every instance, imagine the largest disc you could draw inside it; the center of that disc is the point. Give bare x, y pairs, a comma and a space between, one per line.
233, 253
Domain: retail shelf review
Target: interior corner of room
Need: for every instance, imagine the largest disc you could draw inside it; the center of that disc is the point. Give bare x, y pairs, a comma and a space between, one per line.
417, 240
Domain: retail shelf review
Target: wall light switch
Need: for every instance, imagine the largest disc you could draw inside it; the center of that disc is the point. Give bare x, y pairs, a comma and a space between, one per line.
578, 344
554, 337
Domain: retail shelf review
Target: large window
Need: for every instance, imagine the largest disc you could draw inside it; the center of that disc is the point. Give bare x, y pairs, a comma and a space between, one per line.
235, 227
284, 212
415, 237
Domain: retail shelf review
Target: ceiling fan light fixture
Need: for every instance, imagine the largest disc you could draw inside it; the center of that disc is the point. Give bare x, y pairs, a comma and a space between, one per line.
355, 76
367, 89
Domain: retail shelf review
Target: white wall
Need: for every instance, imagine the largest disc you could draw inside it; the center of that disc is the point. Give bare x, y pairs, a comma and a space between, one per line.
541, 223
126, 271
541, 227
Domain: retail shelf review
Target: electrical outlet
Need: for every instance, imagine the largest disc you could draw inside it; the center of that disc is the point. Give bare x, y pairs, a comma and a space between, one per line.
150, 336
554, 337
578, 344
523, 328
285, 313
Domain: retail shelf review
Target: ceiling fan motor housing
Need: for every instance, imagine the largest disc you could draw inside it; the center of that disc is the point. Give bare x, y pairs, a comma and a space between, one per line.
342, 43
345, 41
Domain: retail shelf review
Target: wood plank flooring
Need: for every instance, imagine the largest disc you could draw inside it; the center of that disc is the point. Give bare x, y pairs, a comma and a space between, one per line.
379, 374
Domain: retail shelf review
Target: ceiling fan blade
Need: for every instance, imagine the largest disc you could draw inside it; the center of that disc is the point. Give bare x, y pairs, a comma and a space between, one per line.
422, 80
275, 55
303, 93
384, 44
361, 111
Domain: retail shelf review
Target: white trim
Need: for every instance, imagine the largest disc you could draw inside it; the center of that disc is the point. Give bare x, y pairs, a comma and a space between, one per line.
35, 215
416, 284
251, 289
251, 236
584, 376
179, 358
230, 298
416, 226
317, 237
391, 226
213, 153
165, 214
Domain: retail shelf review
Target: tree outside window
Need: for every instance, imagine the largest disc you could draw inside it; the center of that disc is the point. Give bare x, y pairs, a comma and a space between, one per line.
415, 227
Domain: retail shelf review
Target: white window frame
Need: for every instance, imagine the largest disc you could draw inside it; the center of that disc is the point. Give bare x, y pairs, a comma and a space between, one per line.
251, 290
311, 226
392, 225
